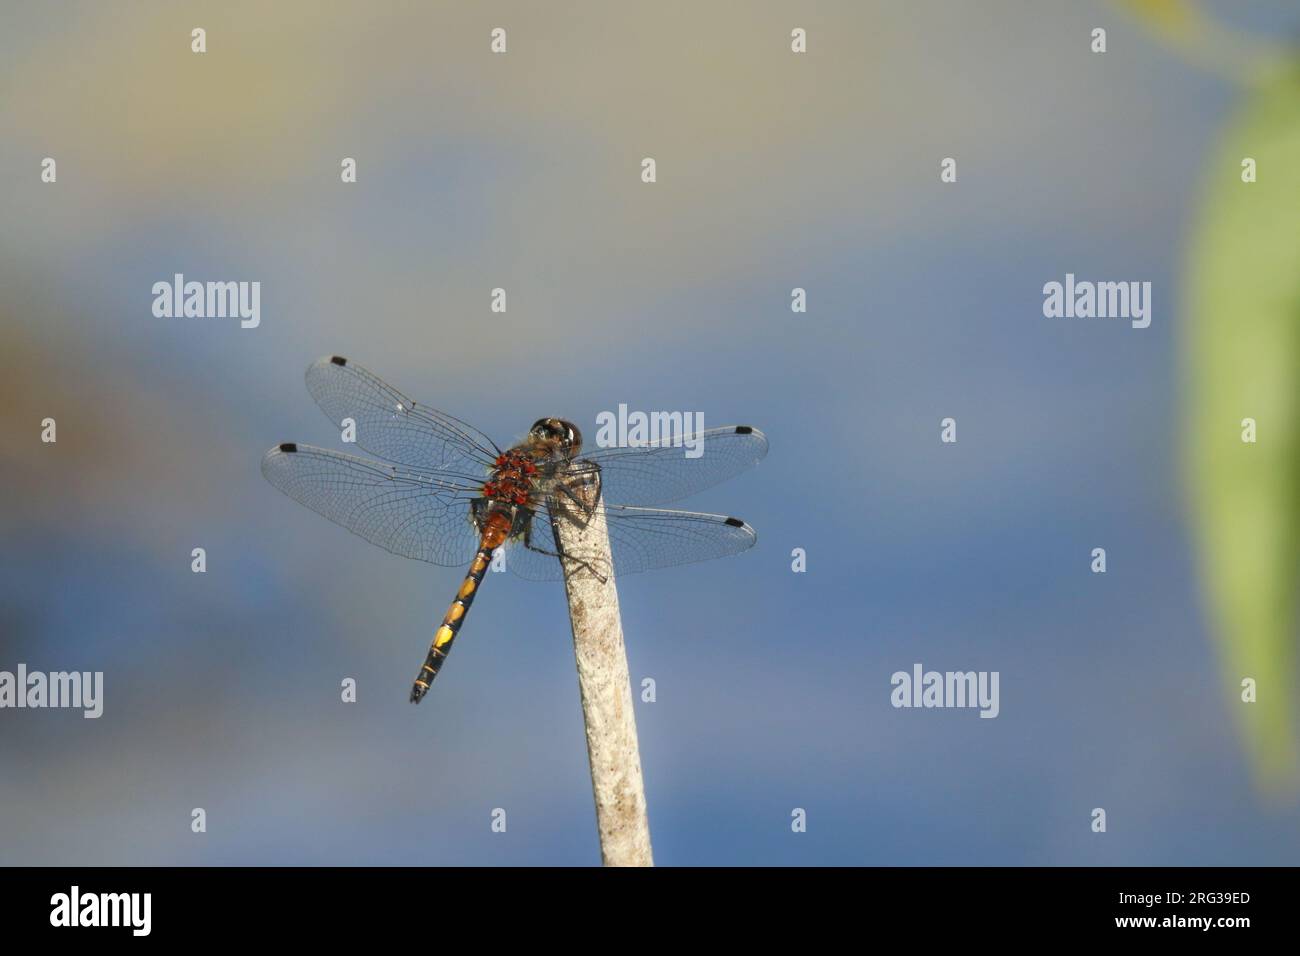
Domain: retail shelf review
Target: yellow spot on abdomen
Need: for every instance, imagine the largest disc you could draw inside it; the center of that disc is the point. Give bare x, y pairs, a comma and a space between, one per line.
466, 589
455, 612
443, 636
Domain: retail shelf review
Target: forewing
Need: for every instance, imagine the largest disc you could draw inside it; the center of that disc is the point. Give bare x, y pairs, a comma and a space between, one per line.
393, 426
416, 515
663, 472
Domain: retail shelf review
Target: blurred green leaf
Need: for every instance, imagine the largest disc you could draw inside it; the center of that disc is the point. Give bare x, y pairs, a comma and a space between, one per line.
1171, 16
1243, 361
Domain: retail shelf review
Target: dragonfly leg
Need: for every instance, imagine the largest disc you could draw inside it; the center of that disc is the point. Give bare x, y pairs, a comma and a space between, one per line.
559, 553
478, 512
582, 488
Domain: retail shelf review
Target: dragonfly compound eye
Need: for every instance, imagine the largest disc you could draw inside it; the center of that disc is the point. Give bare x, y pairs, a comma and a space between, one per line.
572, 437
557, 433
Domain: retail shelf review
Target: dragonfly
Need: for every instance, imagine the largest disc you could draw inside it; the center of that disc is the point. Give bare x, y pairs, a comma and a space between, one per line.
447, 494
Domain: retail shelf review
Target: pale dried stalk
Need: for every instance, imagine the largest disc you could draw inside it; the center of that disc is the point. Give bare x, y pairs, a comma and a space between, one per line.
606, 694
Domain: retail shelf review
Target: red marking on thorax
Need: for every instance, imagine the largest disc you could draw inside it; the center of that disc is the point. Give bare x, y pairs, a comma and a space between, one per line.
512, 479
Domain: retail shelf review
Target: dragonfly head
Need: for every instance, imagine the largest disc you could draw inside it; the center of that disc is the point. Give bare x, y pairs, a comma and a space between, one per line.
558, 436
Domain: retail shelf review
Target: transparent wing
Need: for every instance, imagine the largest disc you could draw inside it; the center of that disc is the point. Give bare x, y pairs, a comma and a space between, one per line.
393, 426
402, 510
660, 473
639, 539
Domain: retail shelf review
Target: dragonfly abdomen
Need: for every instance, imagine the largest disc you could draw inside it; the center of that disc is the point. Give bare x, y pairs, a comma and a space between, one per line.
495, 531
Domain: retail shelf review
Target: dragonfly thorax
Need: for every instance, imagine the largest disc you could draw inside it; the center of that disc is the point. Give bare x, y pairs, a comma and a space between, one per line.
513, 478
